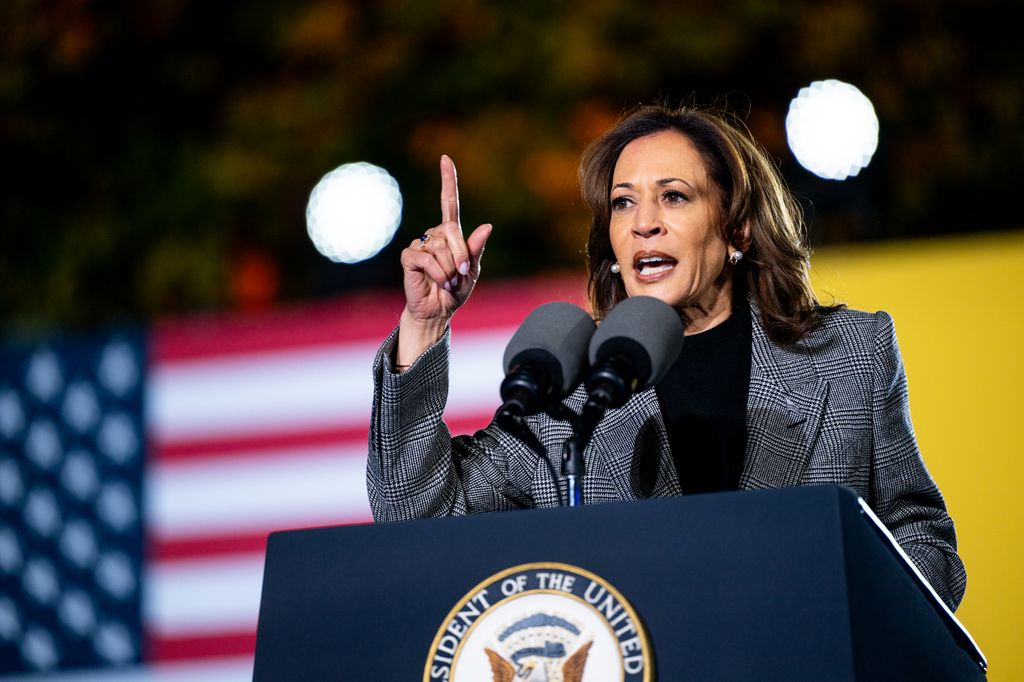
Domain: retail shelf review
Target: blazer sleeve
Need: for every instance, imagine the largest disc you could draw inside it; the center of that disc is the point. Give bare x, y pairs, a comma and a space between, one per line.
415, 469
903, 493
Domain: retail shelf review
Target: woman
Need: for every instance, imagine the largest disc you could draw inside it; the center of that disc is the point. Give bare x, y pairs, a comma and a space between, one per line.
771, 389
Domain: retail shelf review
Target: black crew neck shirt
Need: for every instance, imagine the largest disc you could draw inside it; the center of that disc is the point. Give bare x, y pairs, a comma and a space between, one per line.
703, 399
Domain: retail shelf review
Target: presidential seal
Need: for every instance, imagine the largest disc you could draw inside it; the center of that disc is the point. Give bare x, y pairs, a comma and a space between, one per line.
546, 622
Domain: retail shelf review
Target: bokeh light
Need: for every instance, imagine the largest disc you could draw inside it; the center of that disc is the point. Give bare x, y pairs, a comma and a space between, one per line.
353, 212
832, 129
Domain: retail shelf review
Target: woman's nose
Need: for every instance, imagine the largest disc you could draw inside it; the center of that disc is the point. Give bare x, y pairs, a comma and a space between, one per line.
648, 222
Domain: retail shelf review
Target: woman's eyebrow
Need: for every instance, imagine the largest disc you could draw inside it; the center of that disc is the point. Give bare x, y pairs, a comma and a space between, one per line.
661, 183
669, 181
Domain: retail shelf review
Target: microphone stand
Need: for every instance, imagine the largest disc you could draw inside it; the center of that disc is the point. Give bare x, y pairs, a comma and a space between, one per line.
608, 385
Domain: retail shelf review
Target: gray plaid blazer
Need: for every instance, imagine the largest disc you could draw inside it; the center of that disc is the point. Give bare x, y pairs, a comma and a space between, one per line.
830, 409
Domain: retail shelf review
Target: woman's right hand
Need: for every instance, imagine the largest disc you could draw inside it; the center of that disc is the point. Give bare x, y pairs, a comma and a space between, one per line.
438, 274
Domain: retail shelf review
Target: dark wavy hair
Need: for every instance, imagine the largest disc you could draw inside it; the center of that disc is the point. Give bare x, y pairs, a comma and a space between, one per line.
775, 265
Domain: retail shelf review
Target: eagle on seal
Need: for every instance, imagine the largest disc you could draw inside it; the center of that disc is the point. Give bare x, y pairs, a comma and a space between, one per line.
503, 670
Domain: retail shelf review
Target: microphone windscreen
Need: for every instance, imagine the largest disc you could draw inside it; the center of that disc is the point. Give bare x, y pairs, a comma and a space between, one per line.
647, 330
554, 336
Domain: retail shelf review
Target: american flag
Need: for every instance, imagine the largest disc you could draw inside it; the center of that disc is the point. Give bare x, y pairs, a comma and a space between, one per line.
141, 473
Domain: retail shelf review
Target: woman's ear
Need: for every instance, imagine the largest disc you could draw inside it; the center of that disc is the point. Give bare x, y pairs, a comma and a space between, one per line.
743, 237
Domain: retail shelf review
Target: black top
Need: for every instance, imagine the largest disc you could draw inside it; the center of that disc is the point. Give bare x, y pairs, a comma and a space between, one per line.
703, 398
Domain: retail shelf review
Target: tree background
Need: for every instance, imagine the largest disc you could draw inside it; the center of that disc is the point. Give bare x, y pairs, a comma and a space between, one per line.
158, 156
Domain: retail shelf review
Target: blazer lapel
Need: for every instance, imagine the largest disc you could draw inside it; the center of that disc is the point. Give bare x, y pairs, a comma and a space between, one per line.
785, 405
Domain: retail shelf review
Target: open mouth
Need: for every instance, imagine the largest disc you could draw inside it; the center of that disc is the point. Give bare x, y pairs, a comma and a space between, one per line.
652, 265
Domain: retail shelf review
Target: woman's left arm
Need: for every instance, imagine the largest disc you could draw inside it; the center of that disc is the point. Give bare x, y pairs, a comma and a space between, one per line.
903, 493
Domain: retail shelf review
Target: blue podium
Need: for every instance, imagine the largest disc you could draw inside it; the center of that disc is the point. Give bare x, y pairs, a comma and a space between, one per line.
793, 584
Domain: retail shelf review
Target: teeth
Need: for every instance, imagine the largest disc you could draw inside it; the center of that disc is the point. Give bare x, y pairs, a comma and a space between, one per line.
652, 265
654, 270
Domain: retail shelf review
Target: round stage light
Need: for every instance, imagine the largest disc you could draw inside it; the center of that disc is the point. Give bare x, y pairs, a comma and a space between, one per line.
353, 212
832, 129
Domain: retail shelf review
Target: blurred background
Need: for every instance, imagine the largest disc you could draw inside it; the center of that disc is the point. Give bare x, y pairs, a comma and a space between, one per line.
171, 335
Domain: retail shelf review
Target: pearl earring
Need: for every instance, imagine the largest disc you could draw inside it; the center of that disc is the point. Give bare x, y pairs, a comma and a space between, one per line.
735, 257
615, 269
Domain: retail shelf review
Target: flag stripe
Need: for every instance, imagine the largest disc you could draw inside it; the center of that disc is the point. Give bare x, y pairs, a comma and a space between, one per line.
271, 444
223, 644
189, 548
255, 446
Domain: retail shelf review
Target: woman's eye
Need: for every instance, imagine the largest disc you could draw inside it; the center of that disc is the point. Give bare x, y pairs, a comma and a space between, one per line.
674, 196
620, 203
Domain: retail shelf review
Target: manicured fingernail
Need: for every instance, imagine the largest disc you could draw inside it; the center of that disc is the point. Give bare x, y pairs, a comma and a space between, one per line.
447, 286
464, 268
455, 282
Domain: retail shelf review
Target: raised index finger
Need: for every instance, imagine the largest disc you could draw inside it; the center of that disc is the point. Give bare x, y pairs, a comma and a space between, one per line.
449, 191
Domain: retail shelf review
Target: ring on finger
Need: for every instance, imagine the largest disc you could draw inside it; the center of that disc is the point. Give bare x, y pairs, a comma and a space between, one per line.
424, 238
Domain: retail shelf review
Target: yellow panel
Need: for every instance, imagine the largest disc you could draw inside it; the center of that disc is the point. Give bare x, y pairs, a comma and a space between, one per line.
958, 303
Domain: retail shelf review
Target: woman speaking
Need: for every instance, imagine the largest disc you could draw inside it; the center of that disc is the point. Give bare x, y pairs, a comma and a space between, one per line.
771, 389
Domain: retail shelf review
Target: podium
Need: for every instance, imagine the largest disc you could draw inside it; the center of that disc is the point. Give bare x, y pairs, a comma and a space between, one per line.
791, 584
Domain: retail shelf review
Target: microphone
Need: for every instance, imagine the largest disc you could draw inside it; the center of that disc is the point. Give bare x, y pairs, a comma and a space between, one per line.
545, 359
632, 350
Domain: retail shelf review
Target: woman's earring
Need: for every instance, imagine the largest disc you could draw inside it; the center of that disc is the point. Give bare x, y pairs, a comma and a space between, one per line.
615, 269
735, 257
